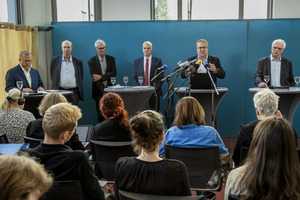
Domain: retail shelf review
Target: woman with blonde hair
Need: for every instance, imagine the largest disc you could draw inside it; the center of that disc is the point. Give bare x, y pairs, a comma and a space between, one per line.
148, 173
35, 129
21, 178
13, 119
272, 169
189, 128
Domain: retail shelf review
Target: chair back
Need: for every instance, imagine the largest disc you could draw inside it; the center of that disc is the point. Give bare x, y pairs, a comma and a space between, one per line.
106, 154
201, 163
140, 196
233, 197
3, 139
33, 142
64, 190
243, 154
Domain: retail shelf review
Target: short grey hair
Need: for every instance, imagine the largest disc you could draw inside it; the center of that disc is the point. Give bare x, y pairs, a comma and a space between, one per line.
27, 53
148, 43
280, 41
99, 42
202, 40
66, 41
266, 102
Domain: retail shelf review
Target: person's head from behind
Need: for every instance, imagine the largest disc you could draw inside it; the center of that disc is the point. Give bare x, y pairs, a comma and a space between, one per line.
189, 111
22, 178
60, 121
14, 99
49, 100
147, 130
112, 106
272, 165
265, 103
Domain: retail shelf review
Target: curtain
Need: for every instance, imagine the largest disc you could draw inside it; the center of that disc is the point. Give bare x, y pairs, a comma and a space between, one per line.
13, 40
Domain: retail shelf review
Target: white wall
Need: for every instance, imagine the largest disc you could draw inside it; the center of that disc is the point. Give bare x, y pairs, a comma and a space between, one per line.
286, 9
118, 10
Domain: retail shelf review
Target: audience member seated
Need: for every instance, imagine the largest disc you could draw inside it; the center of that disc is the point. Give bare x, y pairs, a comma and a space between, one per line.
189, 129
59, 124
148, 173
271, 170
35, 129
22, 178
13, 119
116, 124
266, 105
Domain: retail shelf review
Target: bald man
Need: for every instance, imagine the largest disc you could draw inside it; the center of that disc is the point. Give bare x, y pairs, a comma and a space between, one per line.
67, 72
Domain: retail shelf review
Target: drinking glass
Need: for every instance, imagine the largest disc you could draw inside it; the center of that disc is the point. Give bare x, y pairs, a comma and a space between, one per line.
141, 80
125, 79
20, 84
267, 79
113, 80
297, 80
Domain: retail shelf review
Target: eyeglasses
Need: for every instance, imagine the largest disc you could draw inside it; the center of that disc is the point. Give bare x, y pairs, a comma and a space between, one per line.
101, 48
280, 49
202, 47
26, 60
66, 47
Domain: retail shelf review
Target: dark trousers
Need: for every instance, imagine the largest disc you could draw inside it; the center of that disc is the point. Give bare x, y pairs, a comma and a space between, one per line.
75, 95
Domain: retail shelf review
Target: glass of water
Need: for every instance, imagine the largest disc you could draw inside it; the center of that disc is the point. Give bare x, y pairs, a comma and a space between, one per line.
141, 80
297, 80
113, 80
20, 85
267, 79
125, 79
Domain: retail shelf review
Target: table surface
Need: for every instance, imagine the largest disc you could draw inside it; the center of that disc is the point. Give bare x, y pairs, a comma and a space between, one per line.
220, 89
43, 93
123, 89
278, 90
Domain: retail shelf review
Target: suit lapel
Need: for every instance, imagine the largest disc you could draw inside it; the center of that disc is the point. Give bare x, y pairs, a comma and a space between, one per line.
282, 71
23, 77
99, 69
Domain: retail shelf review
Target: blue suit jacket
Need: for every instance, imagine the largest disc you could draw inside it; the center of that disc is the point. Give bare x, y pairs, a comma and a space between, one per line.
55, 68
16, 74
138, 70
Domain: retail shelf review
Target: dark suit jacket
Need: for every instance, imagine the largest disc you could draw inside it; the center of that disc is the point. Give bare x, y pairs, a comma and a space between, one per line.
264, 68
138, 70
95, 68
16, 74
55, 68
210, 59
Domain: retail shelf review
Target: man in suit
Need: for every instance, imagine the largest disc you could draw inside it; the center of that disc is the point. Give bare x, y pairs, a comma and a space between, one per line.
146, 66
102, 68
279, 69
67, 72
23, 72
215, 67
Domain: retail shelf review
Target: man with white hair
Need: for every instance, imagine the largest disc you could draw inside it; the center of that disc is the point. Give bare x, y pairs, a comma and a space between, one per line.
266, 105
102, 68
279, 69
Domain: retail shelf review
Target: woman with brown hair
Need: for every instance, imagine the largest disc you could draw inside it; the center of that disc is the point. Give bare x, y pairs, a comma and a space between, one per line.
22, 178
116, 124
189, 128
272, 169
148, 173
35, 129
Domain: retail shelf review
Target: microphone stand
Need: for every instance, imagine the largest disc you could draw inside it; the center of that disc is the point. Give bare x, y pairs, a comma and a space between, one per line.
168, 102
155, 94
212, 98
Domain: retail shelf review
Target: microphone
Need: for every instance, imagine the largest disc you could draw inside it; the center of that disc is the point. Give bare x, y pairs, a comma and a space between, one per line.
197, 64
164, 67
193, 61
205, 64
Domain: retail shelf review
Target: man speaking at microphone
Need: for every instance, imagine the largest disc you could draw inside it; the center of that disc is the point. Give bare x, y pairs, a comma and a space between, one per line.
214, 64
146, 66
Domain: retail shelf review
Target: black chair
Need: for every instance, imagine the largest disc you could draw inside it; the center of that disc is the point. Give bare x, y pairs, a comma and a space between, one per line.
105, 155
64, 190
233, 197
140, 196
203, 166
3, 139
33, 142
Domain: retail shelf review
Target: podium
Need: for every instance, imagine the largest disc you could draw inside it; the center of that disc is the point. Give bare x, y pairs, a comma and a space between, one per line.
32, 100
135, 97
204, 97
288, 101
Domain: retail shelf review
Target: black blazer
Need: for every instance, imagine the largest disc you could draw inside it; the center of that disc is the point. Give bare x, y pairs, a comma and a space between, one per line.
55, 68
210, 59
264, 68
95, 68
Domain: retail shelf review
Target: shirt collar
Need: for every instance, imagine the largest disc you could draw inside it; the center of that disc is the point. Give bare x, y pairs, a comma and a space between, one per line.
273, 59
101, 58
24, 69
150, 57
63, 59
